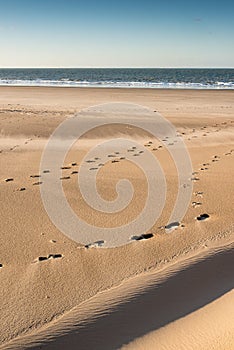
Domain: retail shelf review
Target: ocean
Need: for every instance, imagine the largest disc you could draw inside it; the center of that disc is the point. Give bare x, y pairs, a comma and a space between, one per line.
120, 78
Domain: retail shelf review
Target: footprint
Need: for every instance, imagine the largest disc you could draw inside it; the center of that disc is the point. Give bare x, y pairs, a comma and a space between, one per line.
73, 164
115, 161
74, 172
65, 178
42, 258
9, 179
203, 217
93, 169
199, 193
195, 179
172, 226
95, 244
21, 189
196, 204
90, 161
37, 183
50, 256
143, 236
46, 171
65, 167
55, 256
35, 176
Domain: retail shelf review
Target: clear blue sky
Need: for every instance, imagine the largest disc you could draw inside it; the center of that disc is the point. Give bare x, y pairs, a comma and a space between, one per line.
101, 33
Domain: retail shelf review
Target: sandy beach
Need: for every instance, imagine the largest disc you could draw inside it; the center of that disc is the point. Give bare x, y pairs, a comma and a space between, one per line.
171, 291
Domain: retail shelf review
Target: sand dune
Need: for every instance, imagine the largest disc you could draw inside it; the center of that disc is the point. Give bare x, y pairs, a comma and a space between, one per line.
45, 277
147, 303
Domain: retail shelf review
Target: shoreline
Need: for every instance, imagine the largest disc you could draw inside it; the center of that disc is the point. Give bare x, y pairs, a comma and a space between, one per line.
192, 89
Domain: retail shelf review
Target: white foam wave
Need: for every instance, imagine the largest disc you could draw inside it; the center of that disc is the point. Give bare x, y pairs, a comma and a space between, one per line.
116, 84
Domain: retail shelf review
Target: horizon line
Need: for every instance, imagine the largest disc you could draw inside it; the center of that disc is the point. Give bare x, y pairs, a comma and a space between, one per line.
112, 67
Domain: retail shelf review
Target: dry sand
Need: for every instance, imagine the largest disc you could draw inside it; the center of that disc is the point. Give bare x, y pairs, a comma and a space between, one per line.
37, 295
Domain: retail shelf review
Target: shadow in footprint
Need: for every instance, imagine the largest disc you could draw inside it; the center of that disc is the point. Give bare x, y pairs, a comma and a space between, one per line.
9, 179
21, 189
172, 226
95, 244
35, 176
142, 237
50, 256
203, 217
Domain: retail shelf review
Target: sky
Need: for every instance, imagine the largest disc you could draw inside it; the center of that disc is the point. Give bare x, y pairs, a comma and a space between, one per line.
101, 33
